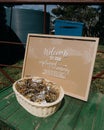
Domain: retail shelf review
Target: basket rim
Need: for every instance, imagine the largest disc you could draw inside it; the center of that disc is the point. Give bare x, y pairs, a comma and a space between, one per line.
61, 95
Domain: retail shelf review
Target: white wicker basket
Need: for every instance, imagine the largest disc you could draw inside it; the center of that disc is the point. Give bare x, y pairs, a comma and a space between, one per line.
36, 109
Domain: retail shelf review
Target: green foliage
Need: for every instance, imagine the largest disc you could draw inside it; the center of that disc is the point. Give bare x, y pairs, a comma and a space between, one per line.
79, 13
93, 18
14, 73
99, 28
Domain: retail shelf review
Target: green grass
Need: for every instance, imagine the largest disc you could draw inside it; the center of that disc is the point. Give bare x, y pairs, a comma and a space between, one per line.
97, 85
14, 73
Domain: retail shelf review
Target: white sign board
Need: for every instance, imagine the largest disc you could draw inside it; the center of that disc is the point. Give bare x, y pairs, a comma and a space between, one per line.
68, 61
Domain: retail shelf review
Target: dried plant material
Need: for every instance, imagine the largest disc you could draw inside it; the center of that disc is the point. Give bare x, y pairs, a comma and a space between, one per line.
38, 90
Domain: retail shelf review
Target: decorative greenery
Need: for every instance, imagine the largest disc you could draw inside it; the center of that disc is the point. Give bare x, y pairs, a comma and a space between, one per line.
91, 16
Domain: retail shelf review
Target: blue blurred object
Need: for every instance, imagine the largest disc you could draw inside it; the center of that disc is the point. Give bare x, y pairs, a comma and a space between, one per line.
70, 28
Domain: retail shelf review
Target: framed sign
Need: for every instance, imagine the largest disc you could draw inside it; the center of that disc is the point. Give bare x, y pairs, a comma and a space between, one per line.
68, 61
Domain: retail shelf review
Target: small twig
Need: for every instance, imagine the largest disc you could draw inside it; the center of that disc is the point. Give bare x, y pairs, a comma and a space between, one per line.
3, 83
98, 75
6, 75
12, 43
12, 66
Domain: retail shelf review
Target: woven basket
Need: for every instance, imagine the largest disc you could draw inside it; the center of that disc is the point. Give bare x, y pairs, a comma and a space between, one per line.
36, 109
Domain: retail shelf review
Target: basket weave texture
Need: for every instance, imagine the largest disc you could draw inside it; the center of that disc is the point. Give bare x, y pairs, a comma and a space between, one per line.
36, 109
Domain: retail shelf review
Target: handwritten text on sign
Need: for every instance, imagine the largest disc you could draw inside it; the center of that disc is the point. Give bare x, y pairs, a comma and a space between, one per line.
54, 66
